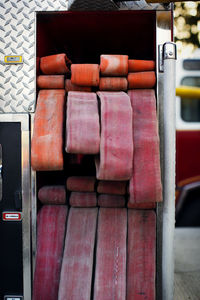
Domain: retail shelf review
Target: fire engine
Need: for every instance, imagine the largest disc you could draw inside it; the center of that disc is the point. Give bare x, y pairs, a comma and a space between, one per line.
104, 244
188, 141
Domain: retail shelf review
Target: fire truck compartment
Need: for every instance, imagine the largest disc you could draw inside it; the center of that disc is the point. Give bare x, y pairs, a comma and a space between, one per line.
83, 37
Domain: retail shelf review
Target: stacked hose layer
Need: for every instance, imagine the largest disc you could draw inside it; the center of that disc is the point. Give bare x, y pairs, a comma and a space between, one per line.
119, 265
125, 121
114, 73
109, 249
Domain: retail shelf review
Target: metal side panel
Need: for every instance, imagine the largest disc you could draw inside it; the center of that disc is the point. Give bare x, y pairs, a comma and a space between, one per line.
33, 207
169, 51
163, 35
15, 258
17, 37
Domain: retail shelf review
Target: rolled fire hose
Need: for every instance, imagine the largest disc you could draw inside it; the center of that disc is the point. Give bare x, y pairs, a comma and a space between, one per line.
135, 65
50, 243
85, 74
141, 260
148, 205
77, 263
141, 80
116, 145
81, 183
145, 184
47, 140
81, 199
114, 65
69, 86
111, 187
113, 84
83, 129
50, 81
105, 200
110, 272
52, 194
54, 64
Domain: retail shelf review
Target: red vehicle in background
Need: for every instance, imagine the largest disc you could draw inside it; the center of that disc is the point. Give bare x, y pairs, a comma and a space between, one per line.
188, 143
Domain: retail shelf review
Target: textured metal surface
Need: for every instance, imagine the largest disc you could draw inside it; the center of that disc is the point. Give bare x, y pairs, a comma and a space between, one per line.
17, 37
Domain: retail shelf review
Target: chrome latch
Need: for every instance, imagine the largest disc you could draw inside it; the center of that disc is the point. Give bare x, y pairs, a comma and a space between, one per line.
160, 59
169, 51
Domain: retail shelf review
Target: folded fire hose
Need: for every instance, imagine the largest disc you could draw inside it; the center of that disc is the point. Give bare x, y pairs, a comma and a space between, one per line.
145, 184
105, 200
81, 199
85, 74
135, 65
47, 140
109, 251
50, 242
141, 80
114, 65
52, 194
141, 255
83, 130
113, 84
50, 82
54, 64
70, 87
111, 187
116, 144
110, 272
81, 183
77, 264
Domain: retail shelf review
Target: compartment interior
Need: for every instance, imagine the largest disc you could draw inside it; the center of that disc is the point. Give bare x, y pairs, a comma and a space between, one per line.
84, 36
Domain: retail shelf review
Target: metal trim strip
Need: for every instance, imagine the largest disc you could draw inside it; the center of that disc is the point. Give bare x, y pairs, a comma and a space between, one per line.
163, 34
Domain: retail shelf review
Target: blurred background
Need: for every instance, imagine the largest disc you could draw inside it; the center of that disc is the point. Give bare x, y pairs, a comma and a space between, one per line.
187, 28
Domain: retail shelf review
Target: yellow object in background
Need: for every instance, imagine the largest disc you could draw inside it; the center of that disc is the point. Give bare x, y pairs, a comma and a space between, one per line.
188, 92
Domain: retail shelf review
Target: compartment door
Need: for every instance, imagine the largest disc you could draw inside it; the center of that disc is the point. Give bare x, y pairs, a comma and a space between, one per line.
13, 216
11, 257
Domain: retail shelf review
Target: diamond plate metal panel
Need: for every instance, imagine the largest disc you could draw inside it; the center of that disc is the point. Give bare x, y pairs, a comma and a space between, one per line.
17, 37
